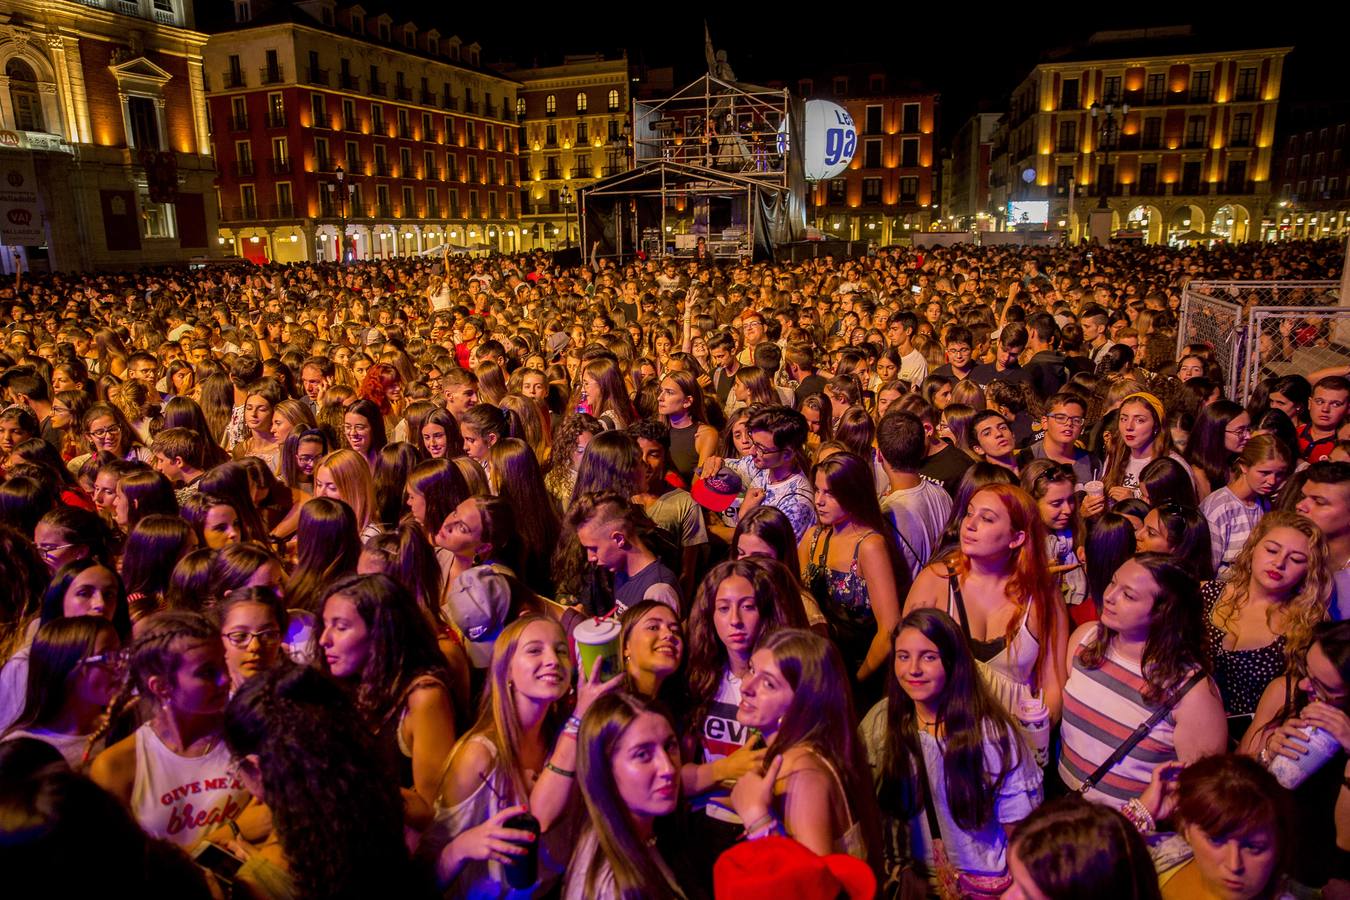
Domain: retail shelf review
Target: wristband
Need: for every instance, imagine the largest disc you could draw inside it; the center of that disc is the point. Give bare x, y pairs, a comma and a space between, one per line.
559, 771
572, 726
758, 824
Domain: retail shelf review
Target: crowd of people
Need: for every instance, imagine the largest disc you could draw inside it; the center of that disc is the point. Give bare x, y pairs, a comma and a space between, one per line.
929, 573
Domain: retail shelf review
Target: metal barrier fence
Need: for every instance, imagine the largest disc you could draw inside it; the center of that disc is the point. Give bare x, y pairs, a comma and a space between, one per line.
1264, 328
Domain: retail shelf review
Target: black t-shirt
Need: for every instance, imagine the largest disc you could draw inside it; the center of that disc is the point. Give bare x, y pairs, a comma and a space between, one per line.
988, 372
946, 467
947, 370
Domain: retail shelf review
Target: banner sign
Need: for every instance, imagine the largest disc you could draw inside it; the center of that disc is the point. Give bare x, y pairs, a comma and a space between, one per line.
20, 218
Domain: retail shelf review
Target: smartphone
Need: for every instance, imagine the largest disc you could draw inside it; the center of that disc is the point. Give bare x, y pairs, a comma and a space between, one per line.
915, 289
220, 863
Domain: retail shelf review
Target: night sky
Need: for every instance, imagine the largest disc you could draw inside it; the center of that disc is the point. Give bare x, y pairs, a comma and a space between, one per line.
973, 54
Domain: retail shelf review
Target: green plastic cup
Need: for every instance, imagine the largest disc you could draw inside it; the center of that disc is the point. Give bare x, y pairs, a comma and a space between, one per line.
598, 639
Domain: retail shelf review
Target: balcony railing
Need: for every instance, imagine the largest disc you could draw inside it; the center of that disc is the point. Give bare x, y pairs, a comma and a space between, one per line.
432, 211
379, 88
325, 164
316, 76
383, 169
427, 98
243, 168
280, 211
351, 125
1245, 96
349, 82
552, 174
276, 119
233, 79
1240, 141
431, 173
271, 74
1194, 143
491, 111
279, 166
384, 210
448, 102
405, 132
403, 92
611, 170
242, 213
1194, 96
471, 106
475, 212
239, 122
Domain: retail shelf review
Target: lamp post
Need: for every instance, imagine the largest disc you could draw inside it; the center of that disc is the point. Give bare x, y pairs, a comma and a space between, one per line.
1110, 118
568, 198
341, 189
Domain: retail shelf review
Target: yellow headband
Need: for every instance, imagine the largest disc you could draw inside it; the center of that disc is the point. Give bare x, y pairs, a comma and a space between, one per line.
1152, 401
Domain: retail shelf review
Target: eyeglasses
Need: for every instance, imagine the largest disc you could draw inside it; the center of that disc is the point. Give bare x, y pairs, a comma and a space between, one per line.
1244, 431
112, 659
242, 639
763, 451
108, 431
50, 550
1065, 419
355, 429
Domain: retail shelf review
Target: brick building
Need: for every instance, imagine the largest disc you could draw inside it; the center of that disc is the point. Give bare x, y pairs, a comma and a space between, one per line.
102, 101
968, 207
337, 126
1312, 172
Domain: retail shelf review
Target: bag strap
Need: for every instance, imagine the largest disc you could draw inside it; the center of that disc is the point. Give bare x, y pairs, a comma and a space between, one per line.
955, 582
930, 812
1140, 733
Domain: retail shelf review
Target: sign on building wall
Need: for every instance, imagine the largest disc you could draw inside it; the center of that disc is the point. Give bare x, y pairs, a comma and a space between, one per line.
20, 217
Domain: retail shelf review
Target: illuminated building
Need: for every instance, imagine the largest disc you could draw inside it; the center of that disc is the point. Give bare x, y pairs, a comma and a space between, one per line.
1166, 132
335, 127
574, 130
890, 188
101, 101
969, 182
1312, 173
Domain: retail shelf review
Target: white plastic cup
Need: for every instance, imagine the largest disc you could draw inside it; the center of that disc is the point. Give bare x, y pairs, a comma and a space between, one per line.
1293, 772
1094, 488
1035, 719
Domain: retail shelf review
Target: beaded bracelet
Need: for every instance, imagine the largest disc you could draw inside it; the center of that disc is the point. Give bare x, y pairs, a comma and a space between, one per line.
572, 726
1139, 816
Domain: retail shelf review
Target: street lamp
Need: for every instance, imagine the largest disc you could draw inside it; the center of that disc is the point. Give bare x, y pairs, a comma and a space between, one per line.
341, 190
1111, 117
568, 197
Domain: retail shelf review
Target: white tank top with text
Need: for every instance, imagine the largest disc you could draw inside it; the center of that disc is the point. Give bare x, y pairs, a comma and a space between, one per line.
180, 798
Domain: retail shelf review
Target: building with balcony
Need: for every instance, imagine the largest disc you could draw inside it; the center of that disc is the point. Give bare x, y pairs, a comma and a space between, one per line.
891, 187
339, 130
574, 124
1312, 172
1164, 129
103, 135
968, 186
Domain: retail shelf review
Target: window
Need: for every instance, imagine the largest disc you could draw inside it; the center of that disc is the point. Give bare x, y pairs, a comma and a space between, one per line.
157, 219
348, 115
1148, 178
872, 153
551, 104
1246, 84
840, 85
551, 136
876, 83
23, 93
243, 10
451, 167
434, 46
473, 169
582, 166
376, 119
1152, 133
471, 133
404, 126
353, 152
491, 136
243, 153
1155, 87
409, 207
520, 107
613, 99
581, 101
1195, 132
358, 23
1242, 130
1190, 178
143, 115
1111, 89
1068, 94
318, 110
453, 198
428, 129
909, 118
382, 200
583, 133
1237, 176
872, 119
381, 161
405, 167
510, 171
248, 198
285, 204
1068, 137
909, 190
836, 191
909, 152
473, 204
384, 31
872, 191
492, 171
1200, 87
612, 131
321, 154
1063, 175
428, 164
433, 204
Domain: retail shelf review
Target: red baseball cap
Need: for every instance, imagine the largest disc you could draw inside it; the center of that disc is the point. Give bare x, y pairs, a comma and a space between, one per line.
717, 492
783, 869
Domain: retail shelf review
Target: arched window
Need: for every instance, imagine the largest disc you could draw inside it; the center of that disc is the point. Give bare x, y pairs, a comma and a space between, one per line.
581, 101
520, 107
23, 94
551, 103
613, 100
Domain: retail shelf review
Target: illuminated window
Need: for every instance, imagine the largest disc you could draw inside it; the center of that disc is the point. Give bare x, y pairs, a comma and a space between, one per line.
581, 101
551, 104
613, 99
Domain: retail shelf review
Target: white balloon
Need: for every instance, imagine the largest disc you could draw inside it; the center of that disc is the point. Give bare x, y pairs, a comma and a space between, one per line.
831, 139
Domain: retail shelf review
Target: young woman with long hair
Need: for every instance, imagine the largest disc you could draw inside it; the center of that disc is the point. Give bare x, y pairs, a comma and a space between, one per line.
814, 781
377, 641
1142, 437
751, 385
1076, 850
1220, 432
853, 565
183, 412
178, 666
330, 550
604, 394
534, 423
692, 439
523, 728
287, 731
819, 414
491, 382
253, 623
1146, 652
569, 446
383, 386
480, 531
291, 417
1234, 510
515, 477
301, 454
363, 430
1166, 481
108, 431
433, 489
439, 437
389, 479
737, 604
628, 765
214, 520
260, 402
345, 475
153, 548
75, 668
941, 741
217, 404
1259, 620
651, 643
140, 494
997, 585
766, 533
482, 426
68, 409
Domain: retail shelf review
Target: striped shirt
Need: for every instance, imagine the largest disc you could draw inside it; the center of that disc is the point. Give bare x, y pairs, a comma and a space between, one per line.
1231, 522
1103, 707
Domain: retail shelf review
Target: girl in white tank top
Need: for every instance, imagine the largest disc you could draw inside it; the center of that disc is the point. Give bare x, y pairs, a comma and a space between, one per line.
183, 798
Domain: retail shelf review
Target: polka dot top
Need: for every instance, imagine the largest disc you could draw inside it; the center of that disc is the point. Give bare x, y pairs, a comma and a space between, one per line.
1242, 675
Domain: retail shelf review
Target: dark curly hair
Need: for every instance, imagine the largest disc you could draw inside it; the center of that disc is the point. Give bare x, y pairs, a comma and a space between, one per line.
316, 759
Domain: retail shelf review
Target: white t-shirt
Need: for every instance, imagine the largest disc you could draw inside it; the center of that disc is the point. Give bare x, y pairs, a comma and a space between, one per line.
918, 515
913, 368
